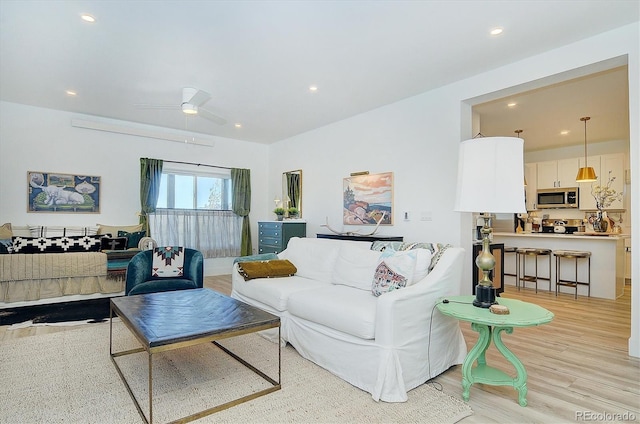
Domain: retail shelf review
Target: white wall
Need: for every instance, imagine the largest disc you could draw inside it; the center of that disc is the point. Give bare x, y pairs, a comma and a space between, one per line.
37, 139
418, 138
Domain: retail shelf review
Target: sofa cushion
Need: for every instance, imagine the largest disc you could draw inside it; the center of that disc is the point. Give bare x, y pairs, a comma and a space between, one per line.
5, 246
355, 267
167, 262
258, 257
339, 307
5, 231
115, 243
275, 292
395, 271
56, 244
436, 249
57, 231
313, 258
133, 239
164, 284
113, 229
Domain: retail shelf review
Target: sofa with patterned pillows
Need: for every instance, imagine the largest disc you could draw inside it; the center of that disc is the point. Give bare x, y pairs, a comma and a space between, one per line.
47, 262
364, 312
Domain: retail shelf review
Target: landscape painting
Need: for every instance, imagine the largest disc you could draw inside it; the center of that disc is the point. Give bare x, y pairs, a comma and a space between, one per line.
62, 193
368, 199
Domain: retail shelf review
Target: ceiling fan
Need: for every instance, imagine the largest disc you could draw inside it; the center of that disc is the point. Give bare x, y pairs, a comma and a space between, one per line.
192, 100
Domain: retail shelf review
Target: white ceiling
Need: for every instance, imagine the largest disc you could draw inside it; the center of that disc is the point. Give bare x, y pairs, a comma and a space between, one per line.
258, 58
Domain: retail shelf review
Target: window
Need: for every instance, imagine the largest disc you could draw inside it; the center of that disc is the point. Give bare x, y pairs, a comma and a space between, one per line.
194, 210
181, 190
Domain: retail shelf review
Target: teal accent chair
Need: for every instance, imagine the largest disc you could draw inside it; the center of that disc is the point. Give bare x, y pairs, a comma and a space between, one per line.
140, 280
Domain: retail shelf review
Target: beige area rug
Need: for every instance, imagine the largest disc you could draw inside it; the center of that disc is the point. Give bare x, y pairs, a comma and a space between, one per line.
68, 377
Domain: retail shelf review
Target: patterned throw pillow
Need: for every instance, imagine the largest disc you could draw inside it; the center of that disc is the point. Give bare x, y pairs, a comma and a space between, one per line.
56, 244
386, 280
5, 246
436, 249
395, 271
168, 262
116, 243
132, 238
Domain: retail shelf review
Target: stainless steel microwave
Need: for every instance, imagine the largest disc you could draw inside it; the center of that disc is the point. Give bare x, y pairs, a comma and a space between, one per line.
558, 198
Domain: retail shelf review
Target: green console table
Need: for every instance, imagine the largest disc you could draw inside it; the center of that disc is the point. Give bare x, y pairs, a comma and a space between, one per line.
490, 327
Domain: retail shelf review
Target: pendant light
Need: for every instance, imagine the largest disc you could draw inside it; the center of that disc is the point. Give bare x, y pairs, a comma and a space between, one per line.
518, 132
586, 174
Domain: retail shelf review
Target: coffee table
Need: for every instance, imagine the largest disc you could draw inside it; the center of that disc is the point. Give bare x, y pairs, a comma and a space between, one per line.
176, 319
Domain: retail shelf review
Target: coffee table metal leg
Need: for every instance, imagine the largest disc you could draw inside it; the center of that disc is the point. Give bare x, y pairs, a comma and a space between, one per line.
150, 388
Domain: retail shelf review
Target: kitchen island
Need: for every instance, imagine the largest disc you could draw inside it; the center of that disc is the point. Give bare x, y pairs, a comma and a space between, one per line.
607, 259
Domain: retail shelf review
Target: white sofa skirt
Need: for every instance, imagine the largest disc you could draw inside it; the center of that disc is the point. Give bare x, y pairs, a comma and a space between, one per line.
374, 368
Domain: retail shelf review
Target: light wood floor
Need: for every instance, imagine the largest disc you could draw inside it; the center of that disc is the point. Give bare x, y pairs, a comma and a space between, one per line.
577, 364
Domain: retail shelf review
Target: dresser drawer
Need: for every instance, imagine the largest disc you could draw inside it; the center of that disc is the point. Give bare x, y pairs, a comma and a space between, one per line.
266, 226
270, 241
270, 232
269, 249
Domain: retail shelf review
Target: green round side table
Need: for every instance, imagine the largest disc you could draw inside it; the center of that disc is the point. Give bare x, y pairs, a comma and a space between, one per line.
490, 327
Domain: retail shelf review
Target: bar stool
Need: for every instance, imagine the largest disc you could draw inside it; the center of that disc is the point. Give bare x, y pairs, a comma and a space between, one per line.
573, 254
511, 249
521, 259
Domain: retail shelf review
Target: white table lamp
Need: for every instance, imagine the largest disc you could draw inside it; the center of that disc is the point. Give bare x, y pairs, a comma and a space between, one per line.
490, 175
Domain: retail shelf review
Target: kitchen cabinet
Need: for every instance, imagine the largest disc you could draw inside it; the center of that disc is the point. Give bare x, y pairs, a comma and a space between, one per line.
273, 236
606, 166
557, 173
530, 191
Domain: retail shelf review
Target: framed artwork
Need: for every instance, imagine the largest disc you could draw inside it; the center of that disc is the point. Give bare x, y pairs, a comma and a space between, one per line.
62, 193
367, 199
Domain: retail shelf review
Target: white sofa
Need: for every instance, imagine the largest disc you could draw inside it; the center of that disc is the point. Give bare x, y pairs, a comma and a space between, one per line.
385, 345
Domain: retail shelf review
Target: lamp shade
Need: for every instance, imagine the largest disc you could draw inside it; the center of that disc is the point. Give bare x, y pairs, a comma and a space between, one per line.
586, 175
490, 175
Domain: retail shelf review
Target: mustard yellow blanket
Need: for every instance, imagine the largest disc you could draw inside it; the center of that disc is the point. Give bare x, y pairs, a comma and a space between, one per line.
266, 269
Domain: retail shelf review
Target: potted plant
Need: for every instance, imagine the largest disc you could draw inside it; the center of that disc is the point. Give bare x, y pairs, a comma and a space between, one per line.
279, 213
293, 212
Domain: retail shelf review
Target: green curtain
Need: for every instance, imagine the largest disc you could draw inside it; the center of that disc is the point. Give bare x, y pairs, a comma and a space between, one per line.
241, 179
150, 174
293, 189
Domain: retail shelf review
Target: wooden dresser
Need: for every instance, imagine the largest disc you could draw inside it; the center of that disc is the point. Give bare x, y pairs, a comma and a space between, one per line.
273, 236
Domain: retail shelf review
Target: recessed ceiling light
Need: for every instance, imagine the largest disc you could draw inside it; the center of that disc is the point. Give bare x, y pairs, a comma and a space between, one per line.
238, 125
512, 104
87, 18
564, 132
496, 31
313, 88
71, 93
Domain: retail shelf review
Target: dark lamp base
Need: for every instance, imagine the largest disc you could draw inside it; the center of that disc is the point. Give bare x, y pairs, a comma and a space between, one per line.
485, 296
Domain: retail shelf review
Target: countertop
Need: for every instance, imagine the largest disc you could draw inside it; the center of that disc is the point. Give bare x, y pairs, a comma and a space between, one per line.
590, 236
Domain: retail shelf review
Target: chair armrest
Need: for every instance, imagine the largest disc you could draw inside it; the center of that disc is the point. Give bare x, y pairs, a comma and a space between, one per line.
194, 270
138, 270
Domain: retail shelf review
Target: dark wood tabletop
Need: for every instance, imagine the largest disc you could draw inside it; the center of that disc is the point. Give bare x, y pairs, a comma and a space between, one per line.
171, 317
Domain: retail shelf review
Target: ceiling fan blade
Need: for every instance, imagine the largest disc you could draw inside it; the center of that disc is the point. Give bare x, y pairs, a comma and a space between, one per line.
200, 98
211, 117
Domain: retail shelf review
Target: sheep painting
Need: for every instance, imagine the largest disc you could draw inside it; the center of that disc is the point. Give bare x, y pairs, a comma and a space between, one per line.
63, 193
